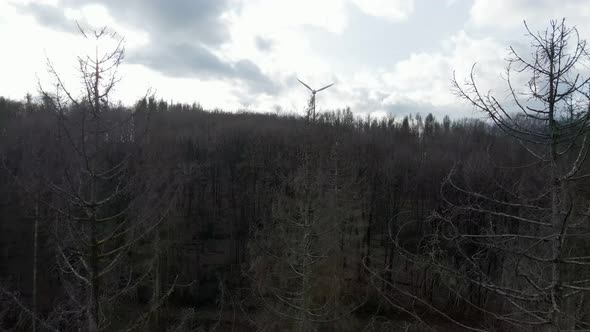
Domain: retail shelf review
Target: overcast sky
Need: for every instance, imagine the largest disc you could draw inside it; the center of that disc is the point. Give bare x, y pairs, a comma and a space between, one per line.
385, 56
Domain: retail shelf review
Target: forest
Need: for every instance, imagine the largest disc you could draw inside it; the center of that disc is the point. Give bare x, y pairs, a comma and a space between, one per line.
166, 216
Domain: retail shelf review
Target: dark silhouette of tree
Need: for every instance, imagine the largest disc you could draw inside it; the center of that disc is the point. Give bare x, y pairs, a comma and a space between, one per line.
100, 217
513, 246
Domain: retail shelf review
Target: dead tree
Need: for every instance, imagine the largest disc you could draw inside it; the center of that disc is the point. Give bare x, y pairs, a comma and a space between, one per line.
102, 212
522, 239
295, 256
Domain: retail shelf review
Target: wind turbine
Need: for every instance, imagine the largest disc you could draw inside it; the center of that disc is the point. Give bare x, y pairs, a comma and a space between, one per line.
311, 110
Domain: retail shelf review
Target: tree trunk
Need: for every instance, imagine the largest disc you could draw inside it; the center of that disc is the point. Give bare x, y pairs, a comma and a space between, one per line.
157, 283
93, 289
35, 260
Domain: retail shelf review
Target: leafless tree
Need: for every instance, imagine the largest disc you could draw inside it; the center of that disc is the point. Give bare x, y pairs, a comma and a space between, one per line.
296, 257
521, 243
101, 212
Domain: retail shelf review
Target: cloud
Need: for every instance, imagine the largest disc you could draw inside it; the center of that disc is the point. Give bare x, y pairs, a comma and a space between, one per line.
394, 10
263, 44
509, 14
249, 71
190, 38
426, 77
193, 60
181, 36
455, 111
268, 16
196, 20
49, 16
422, 81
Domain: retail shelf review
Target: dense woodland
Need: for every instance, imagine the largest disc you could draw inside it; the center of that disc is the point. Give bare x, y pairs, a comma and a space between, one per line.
170, 217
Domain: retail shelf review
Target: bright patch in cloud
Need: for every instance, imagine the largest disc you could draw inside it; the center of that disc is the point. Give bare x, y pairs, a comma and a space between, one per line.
395, 10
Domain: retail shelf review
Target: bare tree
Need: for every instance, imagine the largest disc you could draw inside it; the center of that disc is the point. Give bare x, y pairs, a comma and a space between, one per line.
297, 257
521, 242
100, 215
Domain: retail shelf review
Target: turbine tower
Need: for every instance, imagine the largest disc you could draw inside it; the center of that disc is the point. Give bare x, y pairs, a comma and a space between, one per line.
311, 106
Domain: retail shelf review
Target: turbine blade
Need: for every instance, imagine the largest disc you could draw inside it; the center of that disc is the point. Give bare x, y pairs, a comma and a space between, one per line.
307, 86
324, 88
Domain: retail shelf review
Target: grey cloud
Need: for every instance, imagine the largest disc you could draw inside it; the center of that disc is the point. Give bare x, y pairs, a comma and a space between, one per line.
182, 32
263, 44
49, 16
187, 60
249, 71
195, 20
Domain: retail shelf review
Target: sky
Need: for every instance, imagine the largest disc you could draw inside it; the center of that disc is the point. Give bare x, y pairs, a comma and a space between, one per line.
386, 57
